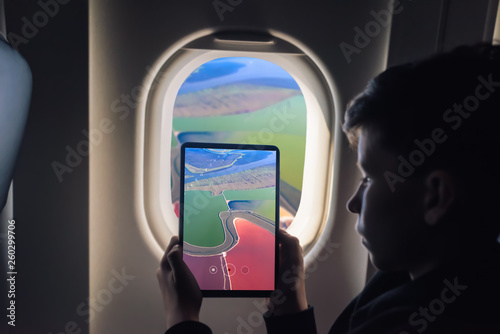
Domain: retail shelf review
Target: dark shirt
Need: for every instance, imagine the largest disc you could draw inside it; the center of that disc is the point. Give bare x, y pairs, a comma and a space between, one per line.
185, 327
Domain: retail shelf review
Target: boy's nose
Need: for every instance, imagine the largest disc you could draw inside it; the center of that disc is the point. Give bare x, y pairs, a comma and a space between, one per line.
354, 203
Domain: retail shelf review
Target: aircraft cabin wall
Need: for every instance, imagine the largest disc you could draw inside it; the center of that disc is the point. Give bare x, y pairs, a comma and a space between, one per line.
321, 33
129, 40
83, 231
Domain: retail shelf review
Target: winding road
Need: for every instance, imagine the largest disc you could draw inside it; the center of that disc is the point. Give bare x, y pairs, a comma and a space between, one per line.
230, 236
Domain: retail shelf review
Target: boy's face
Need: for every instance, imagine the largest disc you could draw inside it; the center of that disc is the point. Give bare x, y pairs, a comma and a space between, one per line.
390, 223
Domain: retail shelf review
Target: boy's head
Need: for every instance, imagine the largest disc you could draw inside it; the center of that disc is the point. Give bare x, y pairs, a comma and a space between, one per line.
429, 132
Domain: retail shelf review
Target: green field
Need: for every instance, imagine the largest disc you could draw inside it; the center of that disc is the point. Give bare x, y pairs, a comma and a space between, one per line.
202, 225
287, 116
282, 124
257, 128
248, 195
292, 155
263, 200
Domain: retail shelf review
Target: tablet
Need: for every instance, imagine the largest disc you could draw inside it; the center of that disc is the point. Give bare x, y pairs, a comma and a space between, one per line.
229, 214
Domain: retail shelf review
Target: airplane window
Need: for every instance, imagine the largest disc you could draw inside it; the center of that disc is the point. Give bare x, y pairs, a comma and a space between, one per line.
234, 89
244, 100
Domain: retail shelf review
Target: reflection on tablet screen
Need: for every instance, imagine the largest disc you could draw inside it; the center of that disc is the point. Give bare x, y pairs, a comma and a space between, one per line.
229, 218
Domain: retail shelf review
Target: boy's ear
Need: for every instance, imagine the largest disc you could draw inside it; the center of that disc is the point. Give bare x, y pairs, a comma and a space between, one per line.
441, 190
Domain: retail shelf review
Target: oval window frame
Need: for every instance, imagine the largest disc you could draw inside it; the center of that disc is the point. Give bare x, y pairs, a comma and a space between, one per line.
158, 221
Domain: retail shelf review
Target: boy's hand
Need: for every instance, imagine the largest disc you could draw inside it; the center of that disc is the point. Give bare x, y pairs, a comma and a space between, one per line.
180, 291
290, 294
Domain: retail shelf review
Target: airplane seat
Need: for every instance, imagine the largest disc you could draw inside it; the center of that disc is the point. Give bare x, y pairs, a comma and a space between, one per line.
15, 94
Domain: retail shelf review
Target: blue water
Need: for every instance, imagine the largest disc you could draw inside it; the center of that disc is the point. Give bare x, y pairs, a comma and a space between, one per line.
202, 158
214, 69
249, 160
202, 136
245, 204
231, 70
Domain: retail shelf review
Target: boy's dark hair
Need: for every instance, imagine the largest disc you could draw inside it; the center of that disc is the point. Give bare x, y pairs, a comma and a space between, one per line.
457, 92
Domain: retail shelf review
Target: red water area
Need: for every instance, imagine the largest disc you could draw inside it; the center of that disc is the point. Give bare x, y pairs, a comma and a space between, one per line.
176, 208
252, 257
208, 271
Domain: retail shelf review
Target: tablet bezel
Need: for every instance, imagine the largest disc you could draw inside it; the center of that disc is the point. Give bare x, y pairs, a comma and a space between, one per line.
233, 293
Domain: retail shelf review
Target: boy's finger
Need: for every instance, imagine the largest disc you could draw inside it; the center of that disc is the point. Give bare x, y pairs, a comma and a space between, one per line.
287, 240
179, 268
164, 261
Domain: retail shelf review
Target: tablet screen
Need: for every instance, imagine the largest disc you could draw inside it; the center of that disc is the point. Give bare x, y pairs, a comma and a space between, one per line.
229, 214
